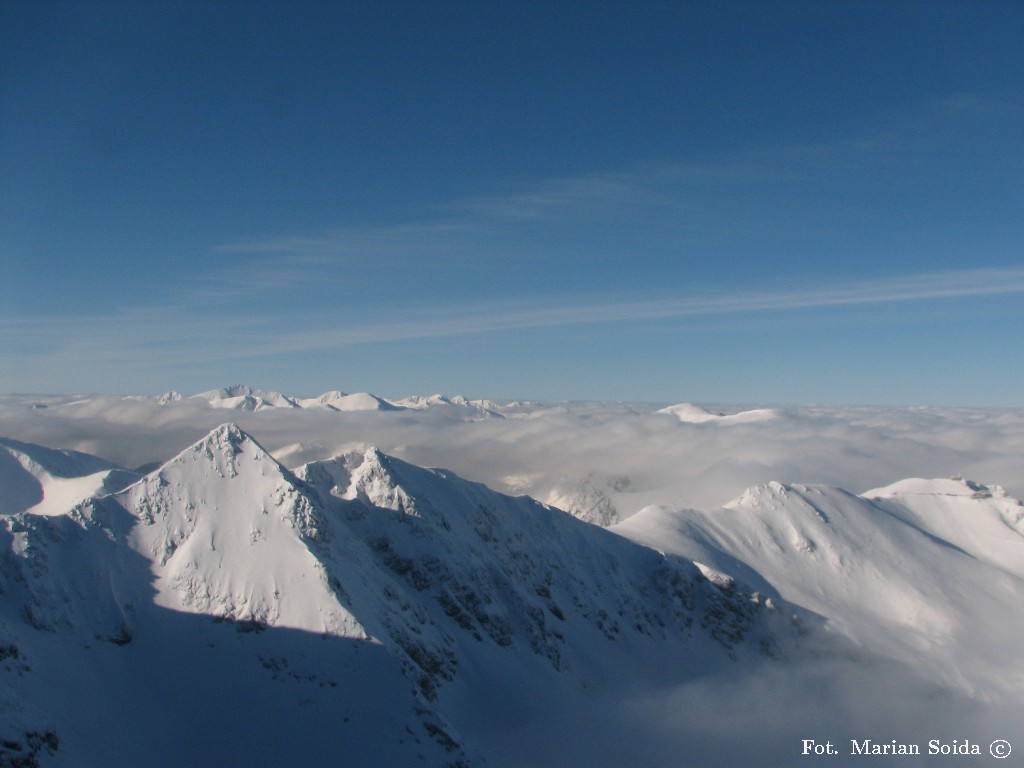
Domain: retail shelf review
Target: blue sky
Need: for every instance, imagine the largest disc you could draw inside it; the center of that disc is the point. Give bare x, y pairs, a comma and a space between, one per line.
717, 202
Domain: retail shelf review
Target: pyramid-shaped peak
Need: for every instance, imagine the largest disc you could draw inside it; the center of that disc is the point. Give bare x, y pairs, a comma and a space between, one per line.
222, 447
230, 430
373, 453
380, 480
229, 437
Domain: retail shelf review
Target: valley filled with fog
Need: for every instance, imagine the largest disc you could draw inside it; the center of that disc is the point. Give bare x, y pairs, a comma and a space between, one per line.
634, 454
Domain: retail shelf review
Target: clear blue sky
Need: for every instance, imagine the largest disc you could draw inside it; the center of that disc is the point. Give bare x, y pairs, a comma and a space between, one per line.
746, 202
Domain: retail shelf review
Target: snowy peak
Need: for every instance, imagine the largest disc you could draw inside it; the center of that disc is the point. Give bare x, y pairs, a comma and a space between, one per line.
764, 495
339, 401
801, 520
378, 480
361, 401
325, 399
689, 413
336, 400
422, 402
381, 481
72, 572
461, 562
590, 498
220, 451
774, 496
478, 409
226, 472
232, 534
244, 398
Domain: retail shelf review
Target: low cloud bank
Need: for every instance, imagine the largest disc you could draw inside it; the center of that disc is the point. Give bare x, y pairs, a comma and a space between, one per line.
757, 716
643, 457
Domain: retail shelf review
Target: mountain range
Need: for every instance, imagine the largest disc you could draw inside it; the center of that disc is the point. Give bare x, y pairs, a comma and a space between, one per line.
224, 609
245, 398
222, 552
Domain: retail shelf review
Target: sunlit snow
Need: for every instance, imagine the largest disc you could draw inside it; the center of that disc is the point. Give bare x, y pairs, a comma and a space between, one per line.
719, 582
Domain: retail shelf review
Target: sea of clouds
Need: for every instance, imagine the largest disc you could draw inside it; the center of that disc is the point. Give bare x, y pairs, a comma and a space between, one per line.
633, 456
628, 453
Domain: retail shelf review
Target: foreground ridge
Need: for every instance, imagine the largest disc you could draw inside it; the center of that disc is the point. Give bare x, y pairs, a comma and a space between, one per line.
222, 550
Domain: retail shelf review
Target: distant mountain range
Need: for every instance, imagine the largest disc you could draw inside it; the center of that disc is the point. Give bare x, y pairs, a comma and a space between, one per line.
244, 398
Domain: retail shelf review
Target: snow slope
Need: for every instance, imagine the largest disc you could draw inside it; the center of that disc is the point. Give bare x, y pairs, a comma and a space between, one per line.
979, 519
49, 482
230, 535
925, 572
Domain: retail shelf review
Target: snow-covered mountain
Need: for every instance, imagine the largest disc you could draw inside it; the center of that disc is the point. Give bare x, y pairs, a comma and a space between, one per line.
339, 401
48, 482
245, 398
478, 408
923, 571
979, 519
321, 591
546, 449
239, 606
326, 400
694, 414
422, 402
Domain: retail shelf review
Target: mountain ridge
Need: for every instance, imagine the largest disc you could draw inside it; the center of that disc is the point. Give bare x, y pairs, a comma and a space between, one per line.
444, 575
912, 583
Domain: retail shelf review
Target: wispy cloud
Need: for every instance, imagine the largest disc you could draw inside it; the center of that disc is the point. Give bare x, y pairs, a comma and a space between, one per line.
556, 198
486, 318
795, 196
362, 241
267, 296
750, 190
172, 336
